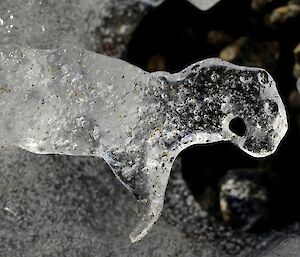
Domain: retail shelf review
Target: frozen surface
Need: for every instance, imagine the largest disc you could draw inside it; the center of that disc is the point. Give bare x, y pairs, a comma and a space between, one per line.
74, 102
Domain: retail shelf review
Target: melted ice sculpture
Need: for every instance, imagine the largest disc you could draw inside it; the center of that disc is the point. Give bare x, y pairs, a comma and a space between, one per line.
75, 102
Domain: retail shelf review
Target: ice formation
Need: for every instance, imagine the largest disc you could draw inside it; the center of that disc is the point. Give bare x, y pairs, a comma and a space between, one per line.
72, 101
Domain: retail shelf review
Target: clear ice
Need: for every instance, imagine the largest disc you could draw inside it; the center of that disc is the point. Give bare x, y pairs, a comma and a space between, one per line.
72, 101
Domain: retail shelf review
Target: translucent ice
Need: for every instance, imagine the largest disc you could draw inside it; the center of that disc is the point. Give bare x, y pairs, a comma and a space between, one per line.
74, 102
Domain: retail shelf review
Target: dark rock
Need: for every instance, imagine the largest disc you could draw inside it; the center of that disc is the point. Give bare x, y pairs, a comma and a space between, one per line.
244, 200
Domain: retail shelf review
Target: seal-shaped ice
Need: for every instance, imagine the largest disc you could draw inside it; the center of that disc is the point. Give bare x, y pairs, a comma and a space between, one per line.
72, 101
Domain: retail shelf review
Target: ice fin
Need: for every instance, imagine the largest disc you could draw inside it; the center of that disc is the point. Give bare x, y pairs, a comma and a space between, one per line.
149, 211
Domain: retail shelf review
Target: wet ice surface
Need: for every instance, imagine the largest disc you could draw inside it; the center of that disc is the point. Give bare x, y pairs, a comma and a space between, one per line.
75, 102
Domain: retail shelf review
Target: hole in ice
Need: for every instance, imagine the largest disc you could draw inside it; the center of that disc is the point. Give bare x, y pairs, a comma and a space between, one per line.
238, 126
274, 108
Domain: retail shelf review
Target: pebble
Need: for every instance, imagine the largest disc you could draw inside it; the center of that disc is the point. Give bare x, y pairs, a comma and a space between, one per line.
280, 15
244, 200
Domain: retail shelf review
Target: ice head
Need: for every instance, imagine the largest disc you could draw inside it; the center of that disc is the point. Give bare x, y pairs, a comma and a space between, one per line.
210, 101
266, 129
220, 101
